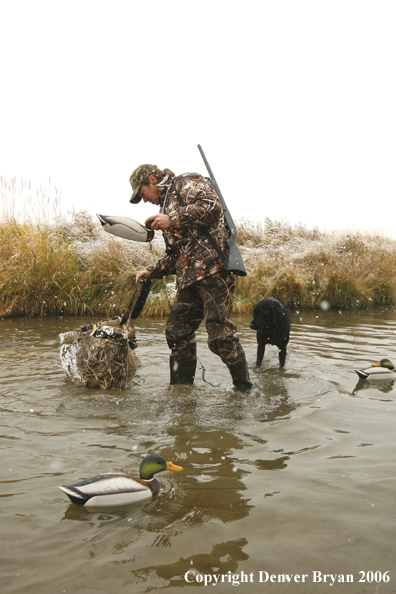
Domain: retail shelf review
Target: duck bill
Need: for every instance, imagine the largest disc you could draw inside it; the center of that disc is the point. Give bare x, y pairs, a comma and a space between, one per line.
376, 364
174, 467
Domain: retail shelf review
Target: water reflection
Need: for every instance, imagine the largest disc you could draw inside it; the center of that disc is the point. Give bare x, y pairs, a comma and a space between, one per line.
386, 387
100, 518
222, 558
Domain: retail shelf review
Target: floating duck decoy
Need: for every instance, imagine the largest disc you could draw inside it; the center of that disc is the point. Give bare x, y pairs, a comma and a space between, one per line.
125, 227
117, 489
384, 369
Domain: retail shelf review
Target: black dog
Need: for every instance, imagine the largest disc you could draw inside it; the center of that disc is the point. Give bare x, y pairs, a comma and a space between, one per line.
271, 320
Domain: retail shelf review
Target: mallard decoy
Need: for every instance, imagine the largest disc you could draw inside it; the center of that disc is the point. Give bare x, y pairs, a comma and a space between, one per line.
384, 369
117, 489
125, 227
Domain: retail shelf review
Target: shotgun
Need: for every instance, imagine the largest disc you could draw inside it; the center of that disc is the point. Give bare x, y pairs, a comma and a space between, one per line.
235, 262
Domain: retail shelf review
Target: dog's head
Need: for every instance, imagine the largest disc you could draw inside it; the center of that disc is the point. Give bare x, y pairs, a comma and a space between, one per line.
266, 313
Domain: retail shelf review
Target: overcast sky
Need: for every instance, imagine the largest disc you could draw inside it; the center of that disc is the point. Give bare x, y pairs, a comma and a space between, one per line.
292, 101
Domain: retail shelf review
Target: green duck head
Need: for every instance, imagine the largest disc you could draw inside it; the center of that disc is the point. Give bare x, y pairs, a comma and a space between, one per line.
384, 363
154, 463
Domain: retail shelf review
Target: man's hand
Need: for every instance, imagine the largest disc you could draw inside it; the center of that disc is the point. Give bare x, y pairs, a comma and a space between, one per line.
142, 274
159, 222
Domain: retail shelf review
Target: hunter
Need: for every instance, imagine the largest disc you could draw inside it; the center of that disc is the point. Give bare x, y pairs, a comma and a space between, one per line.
191, 219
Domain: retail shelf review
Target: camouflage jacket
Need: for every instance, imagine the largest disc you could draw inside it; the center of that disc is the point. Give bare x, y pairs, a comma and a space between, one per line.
191, 256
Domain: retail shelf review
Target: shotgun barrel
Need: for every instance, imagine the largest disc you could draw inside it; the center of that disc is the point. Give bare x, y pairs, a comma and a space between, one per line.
235, 261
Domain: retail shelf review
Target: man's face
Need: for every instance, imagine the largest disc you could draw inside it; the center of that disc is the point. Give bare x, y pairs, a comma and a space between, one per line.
150, 193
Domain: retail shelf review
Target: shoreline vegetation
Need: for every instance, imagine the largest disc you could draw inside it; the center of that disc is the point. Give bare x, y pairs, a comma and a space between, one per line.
69, 266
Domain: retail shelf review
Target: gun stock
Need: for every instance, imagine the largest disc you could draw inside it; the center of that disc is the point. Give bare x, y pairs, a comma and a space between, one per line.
235, 261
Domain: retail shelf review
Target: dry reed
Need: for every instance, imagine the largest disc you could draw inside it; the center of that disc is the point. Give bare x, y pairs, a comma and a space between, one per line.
71, 266
306, 268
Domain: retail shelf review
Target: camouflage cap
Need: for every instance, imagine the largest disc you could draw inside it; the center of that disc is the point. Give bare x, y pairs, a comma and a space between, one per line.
140, 174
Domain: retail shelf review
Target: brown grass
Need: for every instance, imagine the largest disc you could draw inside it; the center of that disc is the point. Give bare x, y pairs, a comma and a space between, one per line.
302, 268
72, 266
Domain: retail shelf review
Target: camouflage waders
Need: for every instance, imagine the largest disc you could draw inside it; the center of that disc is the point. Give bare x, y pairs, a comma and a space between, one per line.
210, 300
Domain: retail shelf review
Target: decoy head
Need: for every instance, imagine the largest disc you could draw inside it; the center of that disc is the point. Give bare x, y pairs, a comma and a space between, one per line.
384, 363
154, 463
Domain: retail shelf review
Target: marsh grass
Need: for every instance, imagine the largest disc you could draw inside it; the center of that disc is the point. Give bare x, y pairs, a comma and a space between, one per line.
70, 266
308, 269
38, 271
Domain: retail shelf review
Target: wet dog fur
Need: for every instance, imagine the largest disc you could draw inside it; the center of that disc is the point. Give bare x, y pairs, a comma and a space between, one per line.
271, 320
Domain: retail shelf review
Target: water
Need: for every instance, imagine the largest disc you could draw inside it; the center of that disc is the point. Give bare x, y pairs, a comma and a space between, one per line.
296, 477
